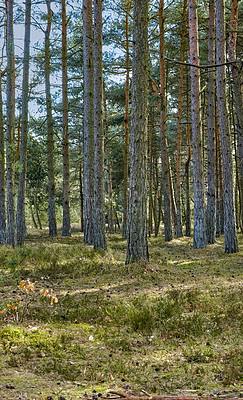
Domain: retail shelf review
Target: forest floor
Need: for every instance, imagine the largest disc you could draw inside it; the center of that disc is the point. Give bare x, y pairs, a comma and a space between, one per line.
173, 326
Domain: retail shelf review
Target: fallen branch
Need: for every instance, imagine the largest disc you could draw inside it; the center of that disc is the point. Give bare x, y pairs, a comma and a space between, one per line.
126, 396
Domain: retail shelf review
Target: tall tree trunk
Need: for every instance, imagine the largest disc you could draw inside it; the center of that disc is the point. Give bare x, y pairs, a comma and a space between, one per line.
66, 226
187, 165
126, 144
219, 175
211, 194
108, 169
10, 126
2, 171
20, 219
237, 80
88, 122
230, 238
164, 153
50, 133
137, 244
179, 126
151, 128
199, 236
99, 209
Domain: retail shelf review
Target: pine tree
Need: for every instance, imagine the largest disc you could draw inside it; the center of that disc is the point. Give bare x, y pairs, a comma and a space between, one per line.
199, 237
88, 126
99, 209
137, 246
20, 219
230, 238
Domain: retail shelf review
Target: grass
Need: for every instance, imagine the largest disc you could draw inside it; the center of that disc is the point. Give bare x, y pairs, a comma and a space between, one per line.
172, 326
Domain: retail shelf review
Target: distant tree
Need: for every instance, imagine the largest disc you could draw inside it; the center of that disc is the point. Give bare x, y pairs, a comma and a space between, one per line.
2, 170
20, 218
88, 125
137, 245
99, 208
230, 238
199, 236
50, 132
66, 226
10, 125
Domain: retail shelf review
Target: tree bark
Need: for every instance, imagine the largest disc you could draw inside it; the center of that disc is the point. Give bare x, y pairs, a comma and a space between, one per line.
88, 135
10, 124
99, 208
188, 162
50, 132
178, 229
137, 245
126, 144
163, 140
20, 219
230, 238
66, 226
237, 84
211, 194
199, 236
2, 171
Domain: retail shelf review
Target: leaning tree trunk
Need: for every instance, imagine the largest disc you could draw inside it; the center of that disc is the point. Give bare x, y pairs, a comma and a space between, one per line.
88, 140
99, 207
137, 245
230, 238
10, 116
164, 153
50, 133
2, 171
20, 218
199, 236
211, 194
179, 126
66, 226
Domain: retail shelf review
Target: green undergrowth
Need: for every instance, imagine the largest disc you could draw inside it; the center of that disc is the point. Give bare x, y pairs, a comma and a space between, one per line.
174, 325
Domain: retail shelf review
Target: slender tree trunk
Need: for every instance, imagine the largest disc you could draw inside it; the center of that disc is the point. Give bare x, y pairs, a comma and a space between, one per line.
99, 209
10, 126
199, 237
238, 94
179, 126
230, 238
88, 122
137, 245
156, 213
37, 211
164, 154
20, 219
2, 171
66, 226
219, 185
108, 168
151, 126
32, 213
50, 133
211, 194
126, 145
187, 165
